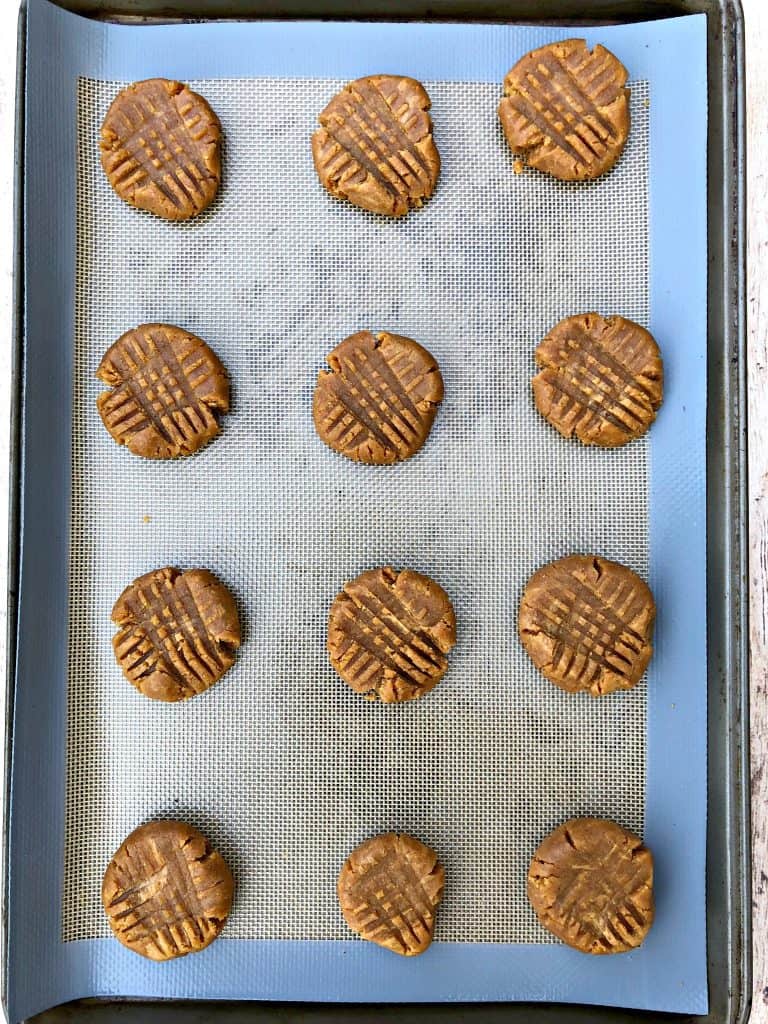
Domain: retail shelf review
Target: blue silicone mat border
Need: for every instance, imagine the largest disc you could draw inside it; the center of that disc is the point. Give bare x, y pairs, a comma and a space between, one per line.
669, 971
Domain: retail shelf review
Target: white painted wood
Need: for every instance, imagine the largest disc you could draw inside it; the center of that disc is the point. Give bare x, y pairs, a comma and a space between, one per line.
756, 12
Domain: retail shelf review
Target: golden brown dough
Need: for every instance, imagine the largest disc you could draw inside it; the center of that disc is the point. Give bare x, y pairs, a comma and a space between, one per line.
389, 633
601, 379
590, 883
587, 624
178, 632
375, 145
160, 148
378, 401
167, 389
166, 893
566, 109
389, 890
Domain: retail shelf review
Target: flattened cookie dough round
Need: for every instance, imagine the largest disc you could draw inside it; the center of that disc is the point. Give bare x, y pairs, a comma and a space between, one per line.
378, 401
166, 893
566, 110
389, 633
587, 624
389, 890
590, 883
167, 389
160, 148
601, 379
178, 632
375, 145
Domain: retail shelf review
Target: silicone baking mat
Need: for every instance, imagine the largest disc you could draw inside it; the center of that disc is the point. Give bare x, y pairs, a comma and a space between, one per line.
279, 764
272, 277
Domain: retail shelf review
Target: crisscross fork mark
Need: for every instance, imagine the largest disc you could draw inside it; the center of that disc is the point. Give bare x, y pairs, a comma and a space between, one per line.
176, 902
619, 906
614, 396
158, 372
352, 144
353, 406
166, 117
385, 601
172, 121
600, 874
181, 889
366, 128
362, 131
382, 387
385, 657
191, 627
385, 389
376, 117
373, 96
571, 627
160, 387
423, 659
376, 419
592, 82
171, 366
179, 618
162, 637
578, 97
525, 106
577, 380
166, 114
619, 335
573, 638
542, 87
395, 877
143, 627
139, 155
393, 390
132, 362
593, 410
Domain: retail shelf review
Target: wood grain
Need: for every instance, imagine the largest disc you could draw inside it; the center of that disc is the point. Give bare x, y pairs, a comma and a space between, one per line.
756, 12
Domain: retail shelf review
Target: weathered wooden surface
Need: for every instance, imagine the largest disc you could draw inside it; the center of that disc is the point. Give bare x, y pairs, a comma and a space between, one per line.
757, 154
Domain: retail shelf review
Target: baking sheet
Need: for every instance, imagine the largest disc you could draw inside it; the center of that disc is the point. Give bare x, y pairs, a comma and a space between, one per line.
498, 514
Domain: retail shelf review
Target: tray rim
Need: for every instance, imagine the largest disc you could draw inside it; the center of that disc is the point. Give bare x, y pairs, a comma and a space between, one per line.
730, 980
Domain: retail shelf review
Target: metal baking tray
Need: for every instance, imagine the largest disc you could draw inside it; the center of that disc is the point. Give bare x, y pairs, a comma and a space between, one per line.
728, 895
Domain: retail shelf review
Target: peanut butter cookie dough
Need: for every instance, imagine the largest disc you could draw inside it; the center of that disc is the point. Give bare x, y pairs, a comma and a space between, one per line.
590, 883
389, 633
566, 109
160, 148
389, 890
587, 624
178, 633
377, 402
375, 146
166, 893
